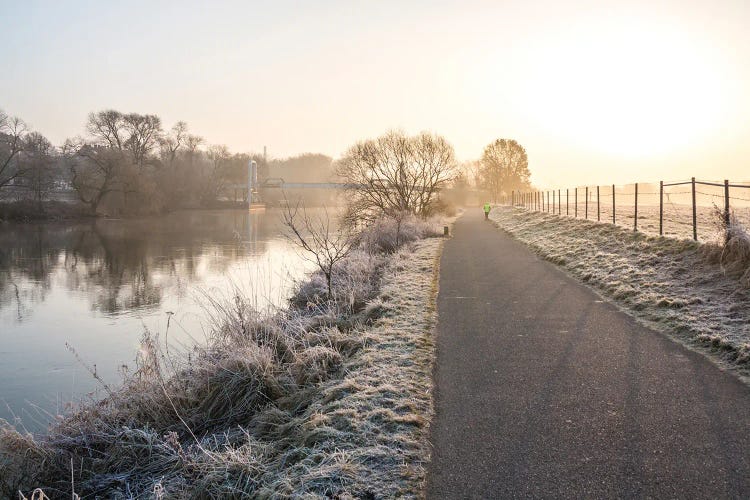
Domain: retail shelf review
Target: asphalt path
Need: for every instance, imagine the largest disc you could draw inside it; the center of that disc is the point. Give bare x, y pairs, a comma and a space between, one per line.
545, 391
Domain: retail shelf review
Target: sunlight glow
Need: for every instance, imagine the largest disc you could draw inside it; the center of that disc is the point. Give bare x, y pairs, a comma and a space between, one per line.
628, 92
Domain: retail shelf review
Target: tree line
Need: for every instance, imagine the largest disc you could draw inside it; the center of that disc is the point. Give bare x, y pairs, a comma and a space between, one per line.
126, 163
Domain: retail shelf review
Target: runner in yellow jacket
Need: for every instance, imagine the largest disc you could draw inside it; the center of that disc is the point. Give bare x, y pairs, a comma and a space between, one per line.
487, 208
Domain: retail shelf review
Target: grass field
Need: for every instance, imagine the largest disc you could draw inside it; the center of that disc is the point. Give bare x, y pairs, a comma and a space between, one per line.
674, 285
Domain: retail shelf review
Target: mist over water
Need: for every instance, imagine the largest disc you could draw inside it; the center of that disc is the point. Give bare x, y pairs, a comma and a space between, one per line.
96, 285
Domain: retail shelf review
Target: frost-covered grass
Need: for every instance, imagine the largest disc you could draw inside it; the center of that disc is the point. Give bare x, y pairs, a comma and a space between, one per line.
322, 399
677, 218
675, 285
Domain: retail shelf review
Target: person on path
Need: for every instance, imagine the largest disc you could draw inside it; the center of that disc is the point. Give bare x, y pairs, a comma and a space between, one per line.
487, 211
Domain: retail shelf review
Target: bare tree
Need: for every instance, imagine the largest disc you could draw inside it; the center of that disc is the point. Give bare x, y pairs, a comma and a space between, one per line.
143, 135
96, 171
192, 143
38, 166
132, 133
322, 245
12, 135
107, 128
213, 174
171, 143
396, 173
505, 166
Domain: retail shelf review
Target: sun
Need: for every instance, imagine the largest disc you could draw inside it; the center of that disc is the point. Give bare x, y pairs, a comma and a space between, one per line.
627, 91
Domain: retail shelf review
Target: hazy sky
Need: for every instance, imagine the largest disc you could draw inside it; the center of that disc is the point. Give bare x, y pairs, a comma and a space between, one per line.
595, 91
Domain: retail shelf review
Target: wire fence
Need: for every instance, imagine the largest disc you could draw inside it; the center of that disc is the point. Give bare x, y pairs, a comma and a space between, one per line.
685, 209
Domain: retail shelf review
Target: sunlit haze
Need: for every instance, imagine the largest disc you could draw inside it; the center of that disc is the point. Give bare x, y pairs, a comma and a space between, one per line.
596, 92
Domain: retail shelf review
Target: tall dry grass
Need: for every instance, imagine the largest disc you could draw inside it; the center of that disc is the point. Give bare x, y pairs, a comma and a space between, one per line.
252, 412
731, 249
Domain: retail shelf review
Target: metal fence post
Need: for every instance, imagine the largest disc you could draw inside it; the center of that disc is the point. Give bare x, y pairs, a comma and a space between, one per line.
559, 203
587, 203
726, 203
635, 215
598, 206
553, 202
695, 214
661, 208
575, 200
613, 204
567, 201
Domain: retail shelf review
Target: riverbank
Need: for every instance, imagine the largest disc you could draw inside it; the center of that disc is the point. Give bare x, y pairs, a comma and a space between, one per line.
31, 211
323, 398
675, 286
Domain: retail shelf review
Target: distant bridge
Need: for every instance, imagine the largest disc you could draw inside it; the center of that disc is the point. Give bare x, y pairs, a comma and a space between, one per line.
279, 183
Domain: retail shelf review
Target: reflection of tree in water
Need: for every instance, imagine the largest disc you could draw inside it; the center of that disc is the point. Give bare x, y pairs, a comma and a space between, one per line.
26, 257
122, 264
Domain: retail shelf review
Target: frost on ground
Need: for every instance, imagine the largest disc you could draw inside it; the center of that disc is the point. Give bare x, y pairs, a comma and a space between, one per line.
320, 400
676, 286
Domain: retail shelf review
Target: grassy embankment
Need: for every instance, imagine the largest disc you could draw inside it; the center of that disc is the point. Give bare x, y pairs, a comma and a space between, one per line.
697, 292
321, 399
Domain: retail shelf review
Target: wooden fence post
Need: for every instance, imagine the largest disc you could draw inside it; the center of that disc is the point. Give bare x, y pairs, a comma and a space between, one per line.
553, 202
598, 206
661, 208
635, 215
695, 214
567, 201
547, 201
613, 204
575, 200
587, 203
559, 203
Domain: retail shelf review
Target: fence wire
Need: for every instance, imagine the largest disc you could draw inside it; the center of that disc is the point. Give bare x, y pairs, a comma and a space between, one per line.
672, 210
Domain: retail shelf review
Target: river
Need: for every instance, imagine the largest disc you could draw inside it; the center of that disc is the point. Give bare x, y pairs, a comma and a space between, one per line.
96, 285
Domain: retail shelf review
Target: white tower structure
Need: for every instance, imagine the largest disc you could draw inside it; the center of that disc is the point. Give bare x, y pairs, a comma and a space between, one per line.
252, 183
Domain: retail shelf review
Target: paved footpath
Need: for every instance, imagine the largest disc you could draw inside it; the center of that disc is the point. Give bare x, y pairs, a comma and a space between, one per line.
544, 391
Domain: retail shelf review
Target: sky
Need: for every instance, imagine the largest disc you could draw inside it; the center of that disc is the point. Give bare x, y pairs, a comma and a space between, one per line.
596, 91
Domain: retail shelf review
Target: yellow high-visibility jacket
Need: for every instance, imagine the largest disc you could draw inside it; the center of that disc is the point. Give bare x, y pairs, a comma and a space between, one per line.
486, 208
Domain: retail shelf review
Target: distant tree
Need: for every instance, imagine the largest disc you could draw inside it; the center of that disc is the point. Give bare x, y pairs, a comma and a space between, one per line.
95, 171
192, 143
171, 142
143, 134
38, 162
504, 167
107, 129
128, 133
214, 173
396, 173
13, 133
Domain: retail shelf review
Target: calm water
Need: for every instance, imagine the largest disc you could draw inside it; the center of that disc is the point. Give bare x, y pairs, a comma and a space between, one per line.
96, 285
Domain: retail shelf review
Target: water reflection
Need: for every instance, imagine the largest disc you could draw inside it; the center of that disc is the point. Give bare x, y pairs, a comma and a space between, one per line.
98, 283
